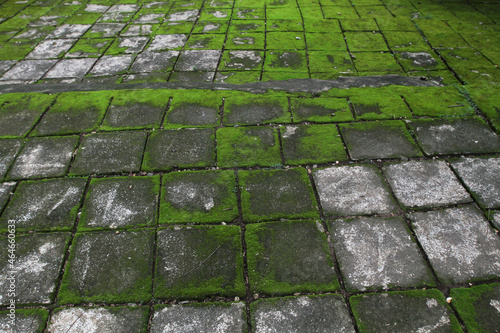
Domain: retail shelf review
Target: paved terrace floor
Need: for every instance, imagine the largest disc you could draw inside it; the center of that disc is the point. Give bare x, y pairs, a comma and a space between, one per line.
250, 166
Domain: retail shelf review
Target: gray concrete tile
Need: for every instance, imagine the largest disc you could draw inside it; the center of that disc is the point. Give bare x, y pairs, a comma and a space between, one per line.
183, 15
192, 77
353, 190
198, 60
124, 8
327, 313
5, 192
112, 65
51, 48
96, 8
5, 65
459, 242
44, 157
138, 30
154, 18
30, 320
425, 184
167, 42
69, 31
8, 151
204, 317
131, 44
147, 62
29, 70
376, 253
482, 177
69, 68
104, 30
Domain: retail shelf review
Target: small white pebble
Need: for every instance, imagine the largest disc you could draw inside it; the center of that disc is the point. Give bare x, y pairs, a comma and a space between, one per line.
449, 299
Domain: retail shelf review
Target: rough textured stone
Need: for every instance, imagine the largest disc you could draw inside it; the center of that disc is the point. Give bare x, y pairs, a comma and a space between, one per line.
69, 68
120, 202
147, 62
288, 257
457, 136
180, 148
8, 152
205, 317
197, 197
274, 194
198, 60
425, 184
36, 268
5, 192
198, 262
192, 113
109, 153
122, 275
20, 115
167, 42
459, 243
353, 190
69, 31
45, 205
96, 320
376, 253
409, 311
378, 140
51, 48
29, 70
255, 110
133, 114
481, 176
301, 314
30, 320
44, 157
112, 65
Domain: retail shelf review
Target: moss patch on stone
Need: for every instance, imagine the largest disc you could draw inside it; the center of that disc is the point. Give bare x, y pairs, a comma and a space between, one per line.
248, 109
379, 104
436, 101
26, 320
193, 110
320, 110
292, 60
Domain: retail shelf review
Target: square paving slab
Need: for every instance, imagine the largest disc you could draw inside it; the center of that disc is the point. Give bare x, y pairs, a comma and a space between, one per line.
459, 242
320, 110
36, 269
201, 317
109, 266
425, 184
376, 253
26, 320
327, 313
409, 311
249, 110
199, 197
193, 111
273, 194
353, 190
288, 257
119, 202
196, 262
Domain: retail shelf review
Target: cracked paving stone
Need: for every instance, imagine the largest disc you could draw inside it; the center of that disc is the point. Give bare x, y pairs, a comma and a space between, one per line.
478, 307
147, 62
51, 48
167, 42
8, 152
198, 262
98, 320
138, 30
38, 261
29, 70
373, 140
27, 320
122, 275
459, 242
200, 197
202, 317
377, 253
322, 314
112, 65
44, 157
274, 194
353, 190
109, 153
198, 60
407, 311
425, 184
455, 136
119, 202
44, 205
481, 176
289, 257
70, 68
6, 190
69, 31
187, 148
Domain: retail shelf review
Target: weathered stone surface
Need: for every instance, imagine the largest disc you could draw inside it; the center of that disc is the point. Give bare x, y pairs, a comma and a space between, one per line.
459, 242
96, 320
197, 197
18, 117
327, 313
45, 205
29, 320
167, 42
198, 60
132, 114
120, 202
199, 262
456, 136
180, 148
288, 257
187, 113
425, 184
109, 267
105, 29
274, 194
69, 68
374, 140
109, 153
192, 77
5, 191
147, 62
204, 317
481, 176
376, 253
255, 110
36, 268
408, 311
29, 70
69, 31
353, 190
8, 152
44, 157
51, 48
112, 65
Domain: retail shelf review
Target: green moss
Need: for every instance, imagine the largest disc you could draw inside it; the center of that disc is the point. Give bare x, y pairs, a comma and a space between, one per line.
212, 188
366, 24
86, 18
320, 110
436, 101
282, 61
285, 41
16, 49
487, 99
213, 27
282, 76
238, 61
205, 41
198, 109
247, 26
376, 62
325, 41
91, 48
284, 25
175, 28
245, 41
63, 10
365, 41
379, 104
318, 24
338, 62
283, 12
